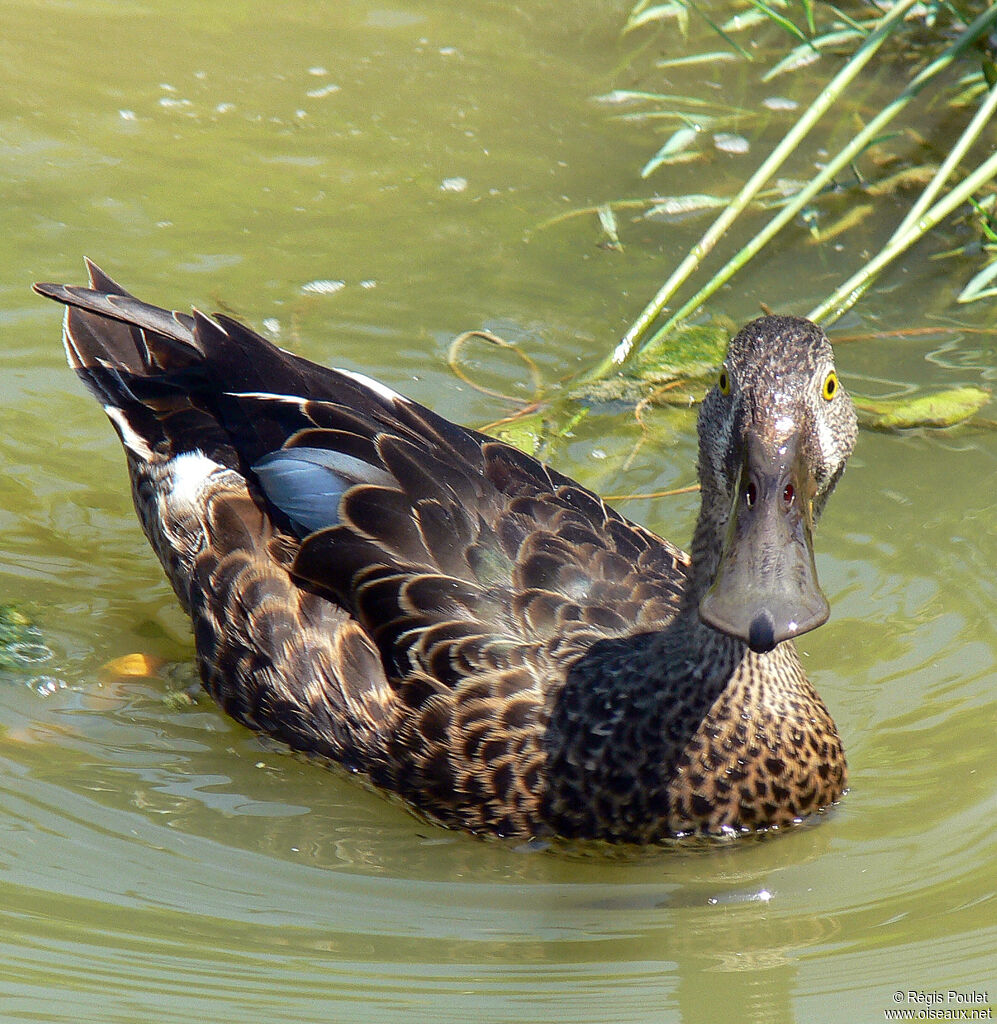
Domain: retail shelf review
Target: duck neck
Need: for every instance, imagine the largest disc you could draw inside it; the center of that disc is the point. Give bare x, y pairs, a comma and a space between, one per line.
705, 550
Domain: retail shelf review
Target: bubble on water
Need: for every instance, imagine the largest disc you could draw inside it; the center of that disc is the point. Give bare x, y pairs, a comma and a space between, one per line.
45, 686
28, 652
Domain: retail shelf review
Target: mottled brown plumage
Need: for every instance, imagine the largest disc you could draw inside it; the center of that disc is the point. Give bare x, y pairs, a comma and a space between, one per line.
464, 626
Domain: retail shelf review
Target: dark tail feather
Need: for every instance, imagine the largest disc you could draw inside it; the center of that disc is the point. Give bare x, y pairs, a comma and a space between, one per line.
107, 327
173, 382
139, 361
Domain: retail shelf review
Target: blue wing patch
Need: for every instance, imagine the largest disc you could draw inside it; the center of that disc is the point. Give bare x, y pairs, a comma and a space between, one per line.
306, 484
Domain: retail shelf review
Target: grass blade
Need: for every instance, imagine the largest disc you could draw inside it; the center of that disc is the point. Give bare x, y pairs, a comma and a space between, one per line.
786, 24
976, 288
845, 295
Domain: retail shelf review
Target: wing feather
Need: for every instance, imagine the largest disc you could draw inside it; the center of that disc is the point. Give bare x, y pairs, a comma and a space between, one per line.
367, 580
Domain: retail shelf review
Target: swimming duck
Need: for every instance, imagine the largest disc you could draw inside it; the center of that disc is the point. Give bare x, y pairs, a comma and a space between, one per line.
461, 624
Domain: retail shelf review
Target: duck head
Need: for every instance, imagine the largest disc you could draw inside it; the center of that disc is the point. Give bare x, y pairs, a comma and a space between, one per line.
774, 435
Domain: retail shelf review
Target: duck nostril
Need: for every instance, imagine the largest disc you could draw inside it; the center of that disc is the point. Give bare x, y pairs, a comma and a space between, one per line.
750, 494
788, 494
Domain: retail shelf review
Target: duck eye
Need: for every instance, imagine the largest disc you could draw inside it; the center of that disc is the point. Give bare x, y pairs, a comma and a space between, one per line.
723, 382
830, 388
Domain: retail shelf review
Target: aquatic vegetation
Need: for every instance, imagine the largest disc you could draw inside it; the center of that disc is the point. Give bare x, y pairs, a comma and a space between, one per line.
21, 642
675, 370
669, 355
678, 369
938, 200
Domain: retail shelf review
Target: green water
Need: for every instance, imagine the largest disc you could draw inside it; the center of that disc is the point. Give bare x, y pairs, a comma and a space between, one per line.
163, 864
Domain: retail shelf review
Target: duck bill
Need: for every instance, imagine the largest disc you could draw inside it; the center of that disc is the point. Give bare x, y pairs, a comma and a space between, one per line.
766, 588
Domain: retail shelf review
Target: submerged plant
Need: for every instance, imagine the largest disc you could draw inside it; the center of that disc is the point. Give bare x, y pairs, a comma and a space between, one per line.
21, 641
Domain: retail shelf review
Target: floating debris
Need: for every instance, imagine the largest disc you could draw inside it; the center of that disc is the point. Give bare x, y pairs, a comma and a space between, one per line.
326, 90
908, 177
679, 368
624, 98
642, 15
728, 142
131, 666
453, 185
849, 219
697, 58
690, 354
977, 288
787, 187
45, 686
677, 207
179, 700
171, 103
744, 20
607, 220
323, 287
808, 53
673, 151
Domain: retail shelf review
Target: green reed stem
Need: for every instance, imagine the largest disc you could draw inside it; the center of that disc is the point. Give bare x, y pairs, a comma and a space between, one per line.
845, 295
907, 231
846, 155
968, 137
773, 162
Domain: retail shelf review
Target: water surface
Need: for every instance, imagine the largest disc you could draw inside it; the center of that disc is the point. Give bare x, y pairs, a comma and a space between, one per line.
159, 862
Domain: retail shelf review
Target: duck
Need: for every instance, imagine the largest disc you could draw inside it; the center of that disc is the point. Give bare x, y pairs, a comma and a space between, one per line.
462, 626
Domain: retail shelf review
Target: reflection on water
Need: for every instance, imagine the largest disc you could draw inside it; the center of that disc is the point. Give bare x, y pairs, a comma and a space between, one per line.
159, 861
